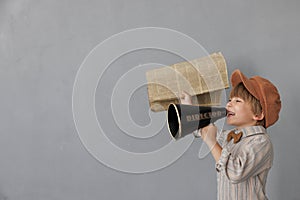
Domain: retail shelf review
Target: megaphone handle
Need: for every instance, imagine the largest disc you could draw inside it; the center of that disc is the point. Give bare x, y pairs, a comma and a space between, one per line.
204, 123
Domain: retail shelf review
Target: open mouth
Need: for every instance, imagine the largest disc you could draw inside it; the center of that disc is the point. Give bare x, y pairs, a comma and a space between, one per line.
230, 114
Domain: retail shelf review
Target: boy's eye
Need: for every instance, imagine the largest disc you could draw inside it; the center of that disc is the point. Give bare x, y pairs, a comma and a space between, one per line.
235, 100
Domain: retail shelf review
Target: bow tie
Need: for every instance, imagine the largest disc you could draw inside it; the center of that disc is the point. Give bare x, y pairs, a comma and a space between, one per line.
236, 137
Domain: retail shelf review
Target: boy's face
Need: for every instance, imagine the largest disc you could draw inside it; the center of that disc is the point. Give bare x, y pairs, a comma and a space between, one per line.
239, 113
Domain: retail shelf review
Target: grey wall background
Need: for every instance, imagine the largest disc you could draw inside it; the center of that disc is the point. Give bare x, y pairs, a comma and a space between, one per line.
42, 45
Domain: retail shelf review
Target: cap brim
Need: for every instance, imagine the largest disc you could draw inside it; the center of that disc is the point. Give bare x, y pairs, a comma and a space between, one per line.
238, 77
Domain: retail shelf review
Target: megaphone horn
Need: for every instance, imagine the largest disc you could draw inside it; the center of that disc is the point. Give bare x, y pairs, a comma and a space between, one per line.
184, 119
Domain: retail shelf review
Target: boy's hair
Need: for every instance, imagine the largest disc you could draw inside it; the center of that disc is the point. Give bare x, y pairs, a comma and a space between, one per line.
241, 92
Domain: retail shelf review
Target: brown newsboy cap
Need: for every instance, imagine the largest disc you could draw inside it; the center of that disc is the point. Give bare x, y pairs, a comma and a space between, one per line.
263, 90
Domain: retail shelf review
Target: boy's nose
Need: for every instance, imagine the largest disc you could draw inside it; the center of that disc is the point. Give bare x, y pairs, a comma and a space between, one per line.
228, 104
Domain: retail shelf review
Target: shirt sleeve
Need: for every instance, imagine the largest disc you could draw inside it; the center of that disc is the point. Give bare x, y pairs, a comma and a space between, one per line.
254, 155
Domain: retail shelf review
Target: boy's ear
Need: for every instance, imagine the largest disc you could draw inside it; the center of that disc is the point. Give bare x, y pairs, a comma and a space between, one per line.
259, 117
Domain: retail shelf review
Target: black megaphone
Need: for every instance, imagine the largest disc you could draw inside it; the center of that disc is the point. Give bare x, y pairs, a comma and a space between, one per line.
184, 119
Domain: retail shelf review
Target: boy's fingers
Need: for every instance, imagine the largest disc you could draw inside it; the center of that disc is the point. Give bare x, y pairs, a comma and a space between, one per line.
184, 94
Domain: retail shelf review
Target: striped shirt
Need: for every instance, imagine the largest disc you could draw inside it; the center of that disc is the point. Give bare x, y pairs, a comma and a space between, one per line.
243, 167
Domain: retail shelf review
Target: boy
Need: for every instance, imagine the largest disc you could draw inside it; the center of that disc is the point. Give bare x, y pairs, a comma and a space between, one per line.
244, 155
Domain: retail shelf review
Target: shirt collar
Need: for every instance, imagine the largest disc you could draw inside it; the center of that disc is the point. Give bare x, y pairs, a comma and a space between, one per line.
252, 130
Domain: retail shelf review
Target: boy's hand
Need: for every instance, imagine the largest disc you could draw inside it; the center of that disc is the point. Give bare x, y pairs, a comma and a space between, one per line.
209, 134
185, 98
